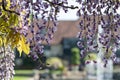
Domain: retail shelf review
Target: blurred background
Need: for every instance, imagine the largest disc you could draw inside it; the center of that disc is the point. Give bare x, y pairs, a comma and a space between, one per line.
63, 59
62, 55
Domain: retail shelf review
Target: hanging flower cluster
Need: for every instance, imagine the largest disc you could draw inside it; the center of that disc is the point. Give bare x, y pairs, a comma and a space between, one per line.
99, 27
47, 10
21, 27
6, 63
38, 22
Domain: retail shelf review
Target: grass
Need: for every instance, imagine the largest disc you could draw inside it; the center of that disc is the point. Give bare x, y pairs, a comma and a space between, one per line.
21, 78
22, 72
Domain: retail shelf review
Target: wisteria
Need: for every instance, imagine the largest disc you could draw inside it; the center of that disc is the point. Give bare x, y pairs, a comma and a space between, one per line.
6, 63
94, 14
99, 28
40, 30
36, 20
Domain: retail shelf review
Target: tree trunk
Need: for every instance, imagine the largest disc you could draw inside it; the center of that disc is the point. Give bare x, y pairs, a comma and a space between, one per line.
6, 63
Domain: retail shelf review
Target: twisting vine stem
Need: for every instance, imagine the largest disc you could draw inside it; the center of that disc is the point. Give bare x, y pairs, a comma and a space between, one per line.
61, 4
4, 8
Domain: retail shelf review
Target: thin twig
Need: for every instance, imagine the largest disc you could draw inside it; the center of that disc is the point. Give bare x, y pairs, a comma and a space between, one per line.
3, 6
61, 4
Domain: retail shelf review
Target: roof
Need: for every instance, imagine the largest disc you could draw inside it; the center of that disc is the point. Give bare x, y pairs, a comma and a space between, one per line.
69, 29
65, 29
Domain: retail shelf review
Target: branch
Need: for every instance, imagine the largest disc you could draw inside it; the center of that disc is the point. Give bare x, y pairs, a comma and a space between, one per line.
3, 6
61, 4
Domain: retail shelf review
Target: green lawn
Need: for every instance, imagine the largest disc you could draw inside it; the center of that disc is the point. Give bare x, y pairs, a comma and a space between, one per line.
21, 78
22, 72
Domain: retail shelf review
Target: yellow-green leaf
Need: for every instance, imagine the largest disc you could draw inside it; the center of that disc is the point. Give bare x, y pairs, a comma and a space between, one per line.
1, 41
23, 46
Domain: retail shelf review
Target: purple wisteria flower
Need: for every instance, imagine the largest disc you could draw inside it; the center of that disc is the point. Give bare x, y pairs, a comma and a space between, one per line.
92, 18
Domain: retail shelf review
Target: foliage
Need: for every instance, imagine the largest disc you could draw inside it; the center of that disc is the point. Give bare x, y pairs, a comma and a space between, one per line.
75, 58
90, 57
55, 63
11, 36
8, 33
19, 19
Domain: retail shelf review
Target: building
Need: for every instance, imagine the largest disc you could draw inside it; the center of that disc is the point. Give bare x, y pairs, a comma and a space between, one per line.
64, 38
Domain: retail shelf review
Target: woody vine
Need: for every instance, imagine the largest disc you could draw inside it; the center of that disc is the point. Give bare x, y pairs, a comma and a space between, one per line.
16, 24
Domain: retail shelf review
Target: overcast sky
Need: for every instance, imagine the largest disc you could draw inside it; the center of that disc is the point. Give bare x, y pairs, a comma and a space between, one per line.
71, 14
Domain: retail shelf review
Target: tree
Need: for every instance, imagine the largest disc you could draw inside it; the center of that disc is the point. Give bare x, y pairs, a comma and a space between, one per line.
16, 22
